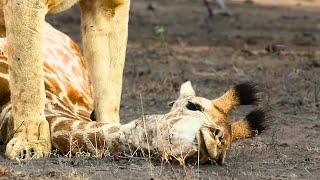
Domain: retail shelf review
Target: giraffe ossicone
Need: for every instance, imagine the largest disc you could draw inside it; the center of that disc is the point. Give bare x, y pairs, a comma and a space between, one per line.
194, 125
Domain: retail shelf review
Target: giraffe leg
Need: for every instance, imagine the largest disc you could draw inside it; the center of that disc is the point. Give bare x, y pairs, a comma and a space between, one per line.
74, 135
24, 20
105, 32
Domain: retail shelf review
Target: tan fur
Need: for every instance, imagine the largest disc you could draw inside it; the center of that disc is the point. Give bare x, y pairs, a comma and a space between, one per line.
227, 102
105, 31
26, 77
241, 129
104, 26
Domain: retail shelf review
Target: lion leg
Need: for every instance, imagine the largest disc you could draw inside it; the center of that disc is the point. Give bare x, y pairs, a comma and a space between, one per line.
24, 20
105, 32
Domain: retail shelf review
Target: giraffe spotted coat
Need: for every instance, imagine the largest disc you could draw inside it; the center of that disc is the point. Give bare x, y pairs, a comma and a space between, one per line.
194, 126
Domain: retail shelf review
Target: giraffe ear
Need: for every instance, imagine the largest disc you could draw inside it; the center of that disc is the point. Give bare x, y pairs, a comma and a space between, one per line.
186, 89
241, 94
253, 124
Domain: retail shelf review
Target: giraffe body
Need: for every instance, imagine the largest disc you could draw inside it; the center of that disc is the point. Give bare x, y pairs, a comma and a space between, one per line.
193, 124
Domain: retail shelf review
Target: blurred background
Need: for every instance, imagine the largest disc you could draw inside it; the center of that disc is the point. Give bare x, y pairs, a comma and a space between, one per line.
272, 43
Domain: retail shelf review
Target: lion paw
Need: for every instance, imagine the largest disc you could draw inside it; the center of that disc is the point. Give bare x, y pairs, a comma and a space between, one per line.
24, 150
25, 146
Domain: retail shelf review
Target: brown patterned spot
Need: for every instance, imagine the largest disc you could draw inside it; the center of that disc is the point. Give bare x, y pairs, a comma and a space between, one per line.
85, 113
95, 125
4, 91
63, 126
3, 67
116, 143
4, 131
76, 97
47, 67
97, 139
79, 144
52, 85
113, 130
83, 125
62, 143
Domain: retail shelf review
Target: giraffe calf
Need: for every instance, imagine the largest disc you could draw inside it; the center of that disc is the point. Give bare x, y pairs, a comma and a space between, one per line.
194, 125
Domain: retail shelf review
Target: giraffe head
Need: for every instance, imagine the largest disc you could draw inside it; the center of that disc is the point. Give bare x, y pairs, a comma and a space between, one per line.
207, 120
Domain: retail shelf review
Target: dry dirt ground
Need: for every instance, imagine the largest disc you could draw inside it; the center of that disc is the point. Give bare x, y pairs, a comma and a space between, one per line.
274, 44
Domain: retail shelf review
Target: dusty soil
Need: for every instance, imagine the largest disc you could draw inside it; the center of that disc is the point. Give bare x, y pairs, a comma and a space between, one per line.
275, 45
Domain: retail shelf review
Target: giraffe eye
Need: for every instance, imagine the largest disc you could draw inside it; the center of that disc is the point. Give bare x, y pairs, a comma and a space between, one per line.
194, 106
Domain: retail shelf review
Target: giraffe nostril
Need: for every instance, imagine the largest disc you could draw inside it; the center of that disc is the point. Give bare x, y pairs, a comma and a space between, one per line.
223, 142
217, 132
